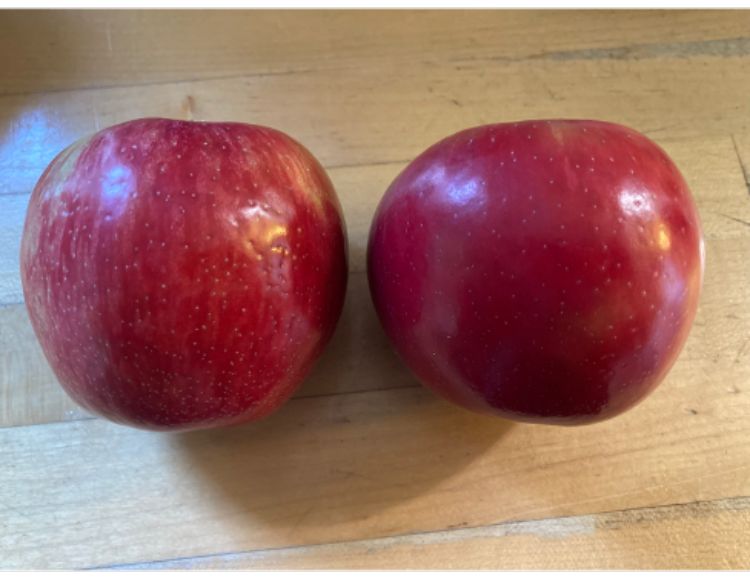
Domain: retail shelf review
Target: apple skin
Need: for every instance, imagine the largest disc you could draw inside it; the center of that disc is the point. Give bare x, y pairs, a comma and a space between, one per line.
183, 275
541, 271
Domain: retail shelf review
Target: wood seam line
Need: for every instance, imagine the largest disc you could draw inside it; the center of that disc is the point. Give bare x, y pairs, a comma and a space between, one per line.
292, 399
710, 505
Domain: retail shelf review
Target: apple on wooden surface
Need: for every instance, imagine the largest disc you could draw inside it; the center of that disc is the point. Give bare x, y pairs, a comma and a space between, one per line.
181, 274
543, 271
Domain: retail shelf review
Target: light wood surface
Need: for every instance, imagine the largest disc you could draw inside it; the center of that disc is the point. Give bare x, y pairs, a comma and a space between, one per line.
364, 468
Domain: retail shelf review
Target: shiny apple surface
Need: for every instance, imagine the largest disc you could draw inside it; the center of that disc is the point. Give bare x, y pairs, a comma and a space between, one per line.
543, 271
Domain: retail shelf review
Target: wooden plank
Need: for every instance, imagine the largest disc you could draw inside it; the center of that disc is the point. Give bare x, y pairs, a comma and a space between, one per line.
106, 48
359, 356
12, 215
364, 116
358, 466
698, 535
29, 391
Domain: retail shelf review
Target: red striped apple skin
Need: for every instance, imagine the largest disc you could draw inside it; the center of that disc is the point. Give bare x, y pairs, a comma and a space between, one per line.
183, 275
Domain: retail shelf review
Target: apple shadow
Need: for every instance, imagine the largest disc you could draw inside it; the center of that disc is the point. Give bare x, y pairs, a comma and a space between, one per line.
324, 461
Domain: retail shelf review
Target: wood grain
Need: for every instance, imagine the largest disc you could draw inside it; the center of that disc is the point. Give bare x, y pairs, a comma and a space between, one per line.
364, 468
699, 535
138, 47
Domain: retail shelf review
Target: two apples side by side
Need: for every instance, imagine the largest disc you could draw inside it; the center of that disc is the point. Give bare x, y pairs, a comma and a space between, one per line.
184, 275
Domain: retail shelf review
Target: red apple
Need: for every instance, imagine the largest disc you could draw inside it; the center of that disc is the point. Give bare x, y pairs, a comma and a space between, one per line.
183, 275
543, 271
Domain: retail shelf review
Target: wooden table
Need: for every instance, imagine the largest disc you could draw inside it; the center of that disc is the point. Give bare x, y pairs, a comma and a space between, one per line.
364, 468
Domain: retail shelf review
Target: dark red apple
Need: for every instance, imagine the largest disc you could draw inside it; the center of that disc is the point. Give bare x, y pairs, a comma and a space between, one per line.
181, 274
543, 271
